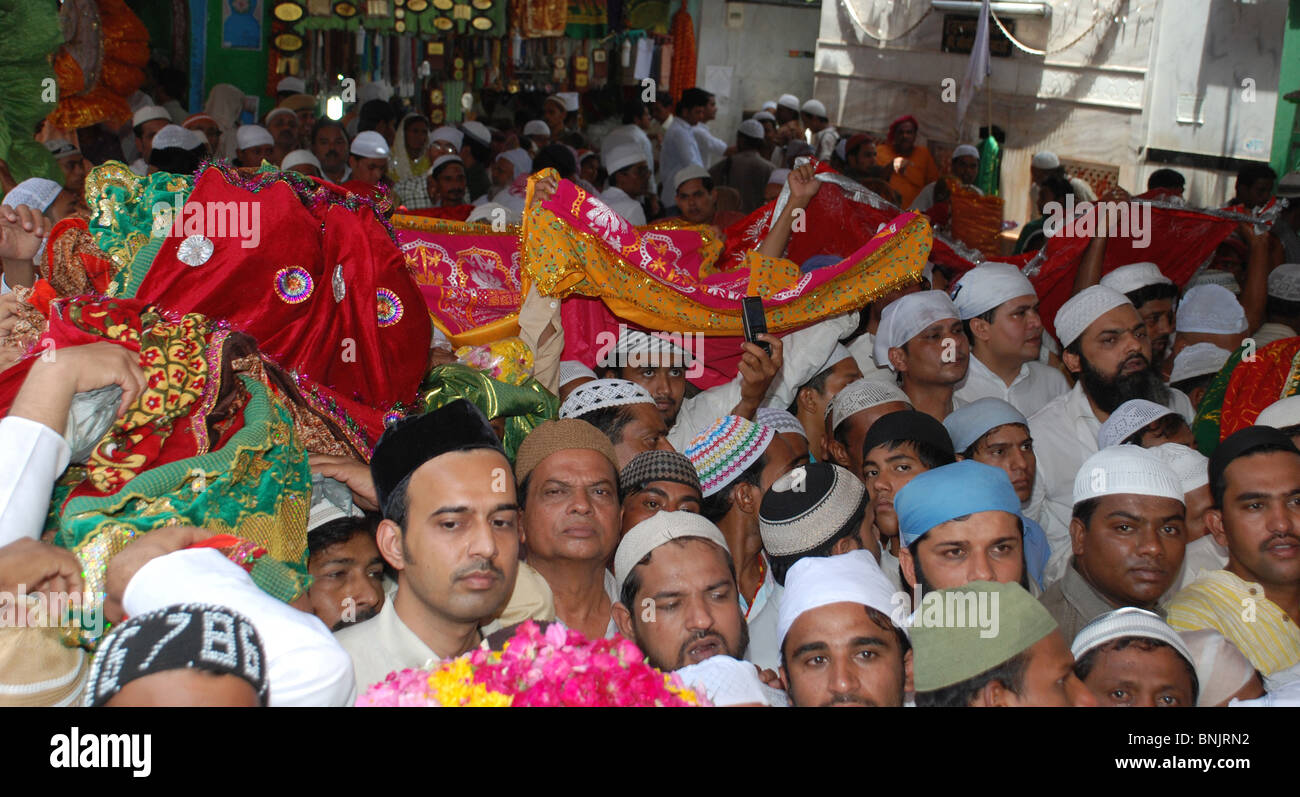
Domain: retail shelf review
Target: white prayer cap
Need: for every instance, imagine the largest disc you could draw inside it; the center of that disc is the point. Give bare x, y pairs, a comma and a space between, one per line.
1125, 470
622, 156
149, 113
863, 395
751, 128
443, 160
908, 316
173, 137
770, 105
778, 176
299, 157
965, 151
817, 581
687, 173
274, 112
1190, 466
764, 115
730, 682
369, 145
988, 285
1129, 418
1196, 360
571, 370
537, 127
603, 393
569, 99
788, 101
1284, 282
1135, 276
839, 352
1083, 308
814, 107
518, 158
1045, 160
969, 423
34, 192
1126, 622
477, 131
255, 136
324, 511
294, 84
1221, 668
780, 420
450, 135
1210, 309
61, 148
197, 138
1213, 276
1281, 413
656, 530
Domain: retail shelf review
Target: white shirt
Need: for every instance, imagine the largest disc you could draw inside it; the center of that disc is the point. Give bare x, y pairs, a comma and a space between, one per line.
764, 648
711, 147
1065, 434
305, 666
863, 351
1271, 331
635, 135
624, 205
823, 143
1029, 392
32, 455
679, 150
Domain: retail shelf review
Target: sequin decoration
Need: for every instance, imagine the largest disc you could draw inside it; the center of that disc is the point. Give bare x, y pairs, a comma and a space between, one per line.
293, 284
390, 307
194, 251
340, 288
391, 418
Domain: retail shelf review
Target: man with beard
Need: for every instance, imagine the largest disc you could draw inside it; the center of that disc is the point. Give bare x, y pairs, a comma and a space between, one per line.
1154, 295
282, 124
1128, 535
329, 143
838, 645
677, 592
1107, 347
921, 338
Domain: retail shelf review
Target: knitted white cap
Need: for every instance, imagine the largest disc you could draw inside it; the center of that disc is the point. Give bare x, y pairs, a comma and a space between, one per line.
780, 420
765, 115
814, 107
1045, 160
769, 106
1086, 306
1284, 282
1126, 622
537, 127
571, 370
519, 158
788, 101
274, 112
149, 113
294, 84
1127, 419
656, 530
1281, 413
1196, 360
692, 172
1190, 466
477, 131
369, 144
1127, 279
603, 393
751, 128
1213, 276
1210, 309
908, 316
34, 192
988, 285
443, 160
173, 137
965, 151
863, 395
299, 157
256, 136
450, 135
1125, 470
623, 155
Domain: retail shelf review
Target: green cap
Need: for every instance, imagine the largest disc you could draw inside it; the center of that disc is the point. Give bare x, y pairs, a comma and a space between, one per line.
961, 632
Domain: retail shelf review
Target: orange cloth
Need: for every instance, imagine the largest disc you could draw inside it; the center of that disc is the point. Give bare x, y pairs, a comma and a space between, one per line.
918, 175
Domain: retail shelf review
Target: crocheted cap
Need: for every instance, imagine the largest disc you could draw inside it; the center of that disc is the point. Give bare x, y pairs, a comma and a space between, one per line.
726, 449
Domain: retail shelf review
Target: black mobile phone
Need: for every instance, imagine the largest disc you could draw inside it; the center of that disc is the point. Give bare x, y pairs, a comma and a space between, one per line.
755, 322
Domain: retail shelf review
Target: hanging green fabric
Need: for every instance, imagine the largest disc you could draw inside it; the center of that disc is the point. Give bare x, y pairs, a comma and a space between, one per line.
587, 19
990, 173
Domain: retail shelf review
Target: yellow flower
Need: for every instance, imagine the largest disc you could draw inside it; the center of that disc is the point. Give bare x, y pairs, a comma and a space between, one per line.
452, 684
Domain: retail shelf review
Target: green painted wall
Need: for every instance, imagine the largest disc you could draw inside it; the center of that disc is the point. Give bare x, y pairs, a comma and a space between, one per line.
1286, 141
246, 69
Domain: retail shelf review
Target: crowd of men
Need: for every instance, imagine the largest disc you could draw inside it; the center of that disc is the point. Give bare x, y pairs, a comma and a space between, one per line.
930, 502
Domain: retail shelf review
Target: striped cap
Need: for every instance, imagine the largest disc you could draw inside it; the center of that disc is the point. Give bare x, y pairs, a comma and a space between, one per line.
657, 466
725, 449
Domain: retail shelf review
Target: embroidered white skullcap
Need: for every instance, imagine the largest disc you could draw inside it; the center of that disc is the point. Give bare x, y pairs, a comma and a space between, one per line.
537, 127
765, 115
863, 395
908, 316
294, 84
1284, 282
1135, 276
274, 112
256, 136
1221, 668
808, 506
603, 393
965, 151
752, 128
1045, 160
969, 423
788, 101
571, 370
814, 107
149, 113
173, 137
769, 106
299, 157
1210, 309
323, 512
988, 285
443, 160
450, 135
1126, 622
519, 158
817, 581
1126, 470
778, 176
1281, 413
1086, 306
369, 145
622, 156
1214, 276
656, 530
731, 682
1130, 417
780, 420
34, 192
1196, 360
691, 172
1190, 466
477, 131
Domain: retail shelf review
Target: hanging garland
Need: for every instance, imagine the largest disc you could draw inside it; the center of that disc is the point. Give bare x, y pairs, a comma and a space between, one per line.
683, 63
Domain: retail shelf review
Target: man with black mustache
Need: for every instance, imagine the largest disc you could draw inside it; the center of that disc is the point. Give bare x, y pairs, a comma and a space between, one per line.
1108, 349
347, 571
